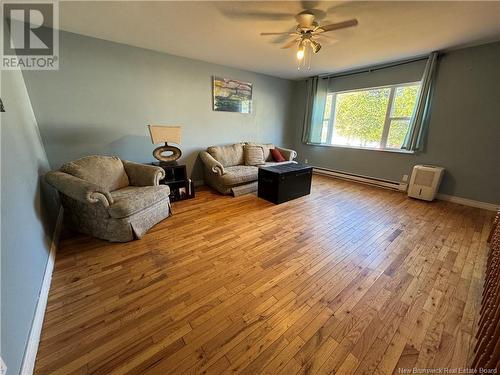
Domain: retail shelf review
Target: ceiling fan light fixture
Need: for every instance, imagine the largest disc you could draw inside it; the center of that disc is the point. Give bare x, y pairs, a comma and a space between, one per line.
301, 52
315, 46
307, 29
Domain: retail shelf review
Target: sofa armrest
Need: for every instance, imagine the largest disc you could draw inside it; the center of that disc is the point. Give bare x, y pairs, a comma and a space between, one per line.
78, 189
287, 153
143, 174
212, 164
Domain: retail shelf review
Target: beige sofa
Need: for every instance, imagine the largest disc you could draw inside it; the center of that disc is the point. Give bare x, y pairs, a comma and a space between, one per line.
109, 198
225, 169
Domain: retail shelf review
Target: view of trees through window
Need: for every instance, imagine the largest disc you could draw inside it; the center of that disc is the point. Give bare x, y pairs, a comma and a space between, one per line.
375, 117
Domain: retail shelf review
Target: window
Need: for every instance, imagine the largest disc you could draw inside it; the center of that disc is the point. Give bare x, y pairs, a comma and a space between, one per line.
376, 117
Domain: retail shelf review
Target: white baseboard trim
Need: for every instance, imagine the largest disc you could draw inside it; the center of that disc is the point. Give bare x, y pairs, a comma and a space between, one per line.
468, 202
29, 358
393, 185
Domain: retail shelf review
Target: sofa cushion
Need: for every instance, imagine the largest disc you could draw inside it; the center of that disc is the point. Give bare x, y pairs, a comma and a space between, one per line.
228, 155
267, 147
132, 199
104, 171
239, 174
254, 155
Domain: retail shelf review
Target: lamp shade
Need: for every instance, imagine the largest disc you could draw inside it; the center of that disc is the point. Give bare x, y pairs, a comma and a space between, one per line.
164, 134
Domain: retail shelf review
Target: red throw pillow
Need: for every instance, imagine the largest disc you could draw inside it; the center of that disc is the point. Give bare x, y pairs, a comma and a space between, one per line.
277, 155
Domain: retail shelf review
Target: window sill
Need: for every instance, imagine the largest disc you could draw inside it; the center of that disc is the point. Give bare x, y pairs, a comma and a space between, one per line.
362, 148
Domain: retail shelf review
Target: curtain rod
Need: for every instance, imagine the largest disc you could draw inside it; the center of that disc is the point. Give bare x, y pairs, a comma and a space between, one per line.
373, 68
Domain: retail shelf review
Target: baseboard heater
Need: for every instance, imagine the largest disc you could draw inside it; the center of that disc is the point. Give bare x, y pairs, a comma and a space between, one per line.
362, 179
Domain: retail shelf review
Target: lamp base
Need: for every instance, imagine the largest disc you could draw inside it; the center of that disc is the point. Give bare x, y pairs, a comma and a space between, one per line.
158, 154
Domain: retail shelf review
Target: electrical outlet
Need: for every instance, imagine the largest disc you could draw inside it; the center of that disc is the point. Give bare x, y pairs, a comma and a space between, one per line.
306, 161
3, 367
405, 178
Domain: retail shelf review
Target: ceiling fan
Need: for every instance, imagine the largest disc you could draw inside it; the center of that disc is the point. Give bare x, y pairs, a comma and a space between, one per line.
308, 35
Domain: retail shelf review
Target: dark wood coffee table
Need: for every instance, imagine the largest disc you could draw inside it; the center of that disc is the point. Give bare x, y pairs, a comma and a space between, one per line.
283, 182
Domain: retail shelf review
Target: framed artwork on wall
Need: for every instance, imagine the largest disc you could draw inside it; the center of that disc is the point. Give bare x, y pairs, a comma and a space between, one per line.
230, 95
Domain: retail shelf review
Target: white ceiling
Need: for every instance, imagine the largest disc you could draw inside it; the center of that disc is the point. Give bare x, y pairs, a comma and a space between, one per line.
227, 32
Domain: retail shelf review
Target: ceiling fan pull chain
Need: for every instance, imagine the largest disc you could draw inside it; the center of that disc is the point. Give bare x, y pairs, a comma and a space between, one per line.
309, 57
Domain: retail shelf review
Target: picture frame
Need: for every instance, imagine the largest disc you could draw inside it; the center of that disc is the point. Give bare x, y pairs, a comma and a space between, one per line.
231, 95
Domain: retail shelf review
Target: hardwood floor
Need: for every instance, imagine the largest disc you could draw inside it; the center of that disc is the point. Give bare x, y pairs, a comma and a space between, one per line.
351, 279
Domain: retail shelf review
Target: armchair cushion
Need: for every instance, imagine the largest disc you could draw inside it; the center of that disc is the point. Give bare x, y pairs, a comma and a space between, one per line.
142, 174
132, 199
107, 172
228, 155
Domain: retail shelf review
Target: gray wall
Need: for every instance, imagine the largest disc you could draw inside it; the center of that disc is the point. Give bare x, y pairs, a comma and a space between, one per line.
463, 136
105, 94
28, 218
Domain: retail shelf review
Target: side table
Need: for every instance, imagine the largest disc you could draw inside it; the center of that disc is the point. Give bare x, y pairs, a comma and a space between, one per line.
181, 187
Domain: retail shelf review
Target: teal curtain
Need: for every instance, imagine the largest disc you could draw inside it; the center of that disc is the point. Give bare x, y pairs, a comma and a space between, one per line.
315, 99
415, 137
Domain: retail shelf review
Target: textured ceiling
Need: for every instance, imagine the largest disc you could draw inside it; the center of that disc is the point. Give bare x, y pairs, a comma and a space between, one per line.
227, 32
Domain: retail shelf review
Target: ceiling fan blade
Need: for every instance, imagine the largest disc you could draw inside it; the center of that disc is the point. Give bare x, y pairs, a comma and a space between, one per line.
239, 12
284, 33
326, 39
336, 26
291, 43
282, 38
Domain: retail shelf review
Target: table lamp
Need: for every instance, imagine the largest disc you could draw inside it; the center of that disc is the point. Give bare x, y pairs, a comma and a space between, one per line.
160, 134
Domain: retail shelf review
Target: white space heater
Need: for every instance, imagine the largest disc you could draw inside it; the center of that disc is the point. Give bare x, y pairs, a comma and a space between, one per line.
424, 182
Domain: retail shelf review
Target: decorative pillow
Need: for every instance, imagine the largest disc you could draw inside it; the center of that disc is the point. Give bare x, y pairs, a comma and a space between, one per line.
277, 155
105, 171
254, 155
267, 147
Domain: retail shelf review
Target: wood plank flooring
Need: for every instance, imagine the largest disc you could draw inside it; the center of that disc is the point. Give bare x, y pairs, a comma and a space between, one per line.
351, 279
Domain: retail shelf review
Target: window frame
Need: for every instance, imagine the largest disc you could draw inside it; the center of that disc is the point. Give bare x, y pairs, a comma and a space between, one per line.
387, 121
